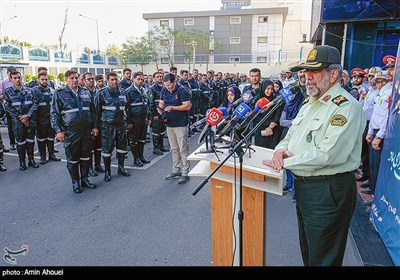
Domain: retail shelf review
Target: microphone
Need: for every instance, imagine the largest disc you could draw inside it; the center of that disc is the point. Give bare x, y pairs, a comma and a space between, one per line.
245, 97
212, 119
285, 94
262, 105
202, 121
240, 113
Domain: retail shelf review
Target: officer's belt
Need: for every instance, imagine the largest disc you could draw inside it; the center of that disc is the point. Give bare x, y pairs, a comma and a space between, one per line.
112, 108
74, 110
137, 104
321, 177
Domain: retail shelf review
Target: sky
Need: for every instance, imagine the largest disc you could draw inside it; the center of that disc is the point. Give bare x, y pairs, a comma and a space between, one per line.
40, 22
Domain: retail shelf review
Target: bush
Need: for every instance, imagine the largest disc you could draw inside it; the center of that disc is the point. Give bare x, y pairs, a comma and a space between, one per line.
28, 78
61, 77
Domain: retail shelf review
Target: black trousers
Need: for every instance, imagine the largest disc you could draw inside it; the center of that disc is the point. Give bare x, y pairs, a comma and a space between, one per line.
45, 132
11, 135
139, 130
325, 205
77, 145
113, 135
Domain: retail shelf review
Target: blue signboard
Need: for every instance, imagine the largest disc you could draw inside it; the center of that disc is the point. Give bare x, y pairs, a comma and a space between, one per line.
353, 10
385, 211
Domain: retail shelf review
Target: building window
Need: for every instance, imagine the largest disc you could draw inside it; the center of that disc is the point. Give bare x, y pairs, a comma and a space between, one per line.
235, 40
164, 22
262, 19
164, 60
236, 20
188, 21
234, 59
262, 40
164, 42
261, 59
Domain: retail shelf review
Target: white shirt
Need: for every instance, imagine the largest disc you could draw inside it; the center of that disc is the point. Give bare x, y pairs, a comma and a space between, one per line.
381, 111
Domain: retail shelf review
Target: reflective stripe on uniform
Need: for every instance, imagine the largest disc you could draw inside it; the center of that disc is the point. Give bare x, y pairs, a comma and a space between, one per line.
85, 158
21, 143
30, 140
42, 104
106, 155
112, 108
15, 103
73, 161
121, 151
41, 139
28, 102
70, 111
50, 139
137, 104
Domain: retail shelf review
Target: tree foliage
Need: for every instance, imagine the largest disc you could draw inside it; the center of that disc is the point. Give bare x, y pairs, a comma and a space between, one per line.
162, 40
136, 51
113, 49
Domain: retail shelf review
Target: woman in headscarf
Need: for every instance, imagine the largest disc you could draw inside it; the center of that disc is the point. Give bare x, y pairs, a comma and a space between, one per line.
232, 94
269, 133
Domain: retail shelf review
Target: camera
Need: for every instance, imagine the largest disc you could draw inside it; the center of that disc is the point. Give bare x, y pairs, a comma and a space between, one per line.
164, 117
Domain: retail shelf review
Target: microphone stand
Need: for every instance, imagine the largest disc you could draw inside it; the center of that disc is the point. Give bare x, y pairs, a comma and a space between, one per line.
240, 153
213, 148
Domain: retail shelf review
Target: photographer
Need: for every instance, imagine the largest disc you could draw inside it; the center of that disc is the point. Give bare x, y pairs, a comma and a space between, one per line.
174, 106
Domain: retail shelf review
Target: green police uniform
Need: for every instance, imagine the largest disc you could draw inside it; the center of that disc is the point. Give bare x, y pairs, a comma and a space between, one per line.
325, 140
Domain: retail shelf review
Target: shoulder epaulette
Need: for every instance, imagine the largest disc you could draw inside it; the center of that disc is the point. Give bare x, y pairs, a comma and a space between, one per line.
339, 100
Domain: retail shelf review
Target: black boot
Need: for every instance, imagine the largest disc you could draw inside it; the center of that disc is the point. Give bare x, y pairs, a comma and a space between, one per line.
42, 151
121, 169
30, 150
156, 146
141, 151
52, 150
107, 165
161, 144
135, 153
84, 167
97, 159
21, 154
2, 168
92, 173
73, 169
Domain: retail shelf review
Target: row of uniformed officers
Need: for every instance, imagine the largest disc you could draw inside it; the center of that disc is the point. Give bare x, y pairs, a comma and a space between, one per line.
84, 118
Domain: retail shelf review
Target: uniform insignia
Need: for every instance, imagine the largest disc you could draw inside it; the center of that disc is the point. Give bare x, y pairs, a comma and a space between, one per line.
339, 100
338, 120
326, 98
312, 54
150, 96
306, 100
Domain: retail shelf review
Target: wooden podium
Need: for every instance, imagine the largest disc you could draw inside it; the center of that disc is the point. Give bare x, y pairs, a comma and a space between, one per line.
258, 180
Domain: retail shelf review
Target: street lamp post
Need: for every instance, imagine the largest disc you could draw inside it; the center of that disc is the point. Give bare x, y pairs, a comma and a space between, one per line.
1, 25
97, 30
194, 44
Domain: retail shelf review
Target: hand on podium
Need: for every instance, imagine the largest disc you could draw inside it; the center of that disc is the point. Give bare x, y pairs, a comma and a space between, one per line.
277, 160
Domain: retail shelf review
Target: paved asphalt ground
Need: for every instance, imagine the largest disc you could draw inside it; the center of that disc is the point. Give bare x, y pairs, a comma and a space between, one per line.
142, 220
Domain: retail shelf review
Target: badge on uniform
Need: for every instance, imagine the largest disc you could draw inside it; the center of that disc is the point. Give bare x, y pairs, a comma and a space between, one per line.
339, 100
338, 120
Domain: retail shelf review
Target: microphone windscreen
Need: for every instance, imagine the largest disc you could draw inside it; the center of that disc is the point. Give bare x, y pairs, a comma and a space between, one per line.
223, 110
214, 116
286, 94
242, 110
261, 103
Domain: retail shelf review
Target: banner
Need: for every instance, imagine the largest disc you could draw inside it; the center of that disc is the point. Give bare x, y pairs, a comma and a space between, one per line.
385, 212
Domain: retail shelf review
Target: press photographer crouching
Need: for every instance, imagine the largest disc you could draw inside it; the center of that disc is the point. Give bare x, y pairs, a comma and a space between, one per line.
174, 106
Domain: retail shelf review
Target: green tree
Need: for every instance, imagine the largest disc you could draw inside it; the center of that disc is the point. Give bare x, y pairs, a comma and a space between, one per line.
161, 39
51, 77
184, 39
113, 49
28, 77
61, 77
136, 50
